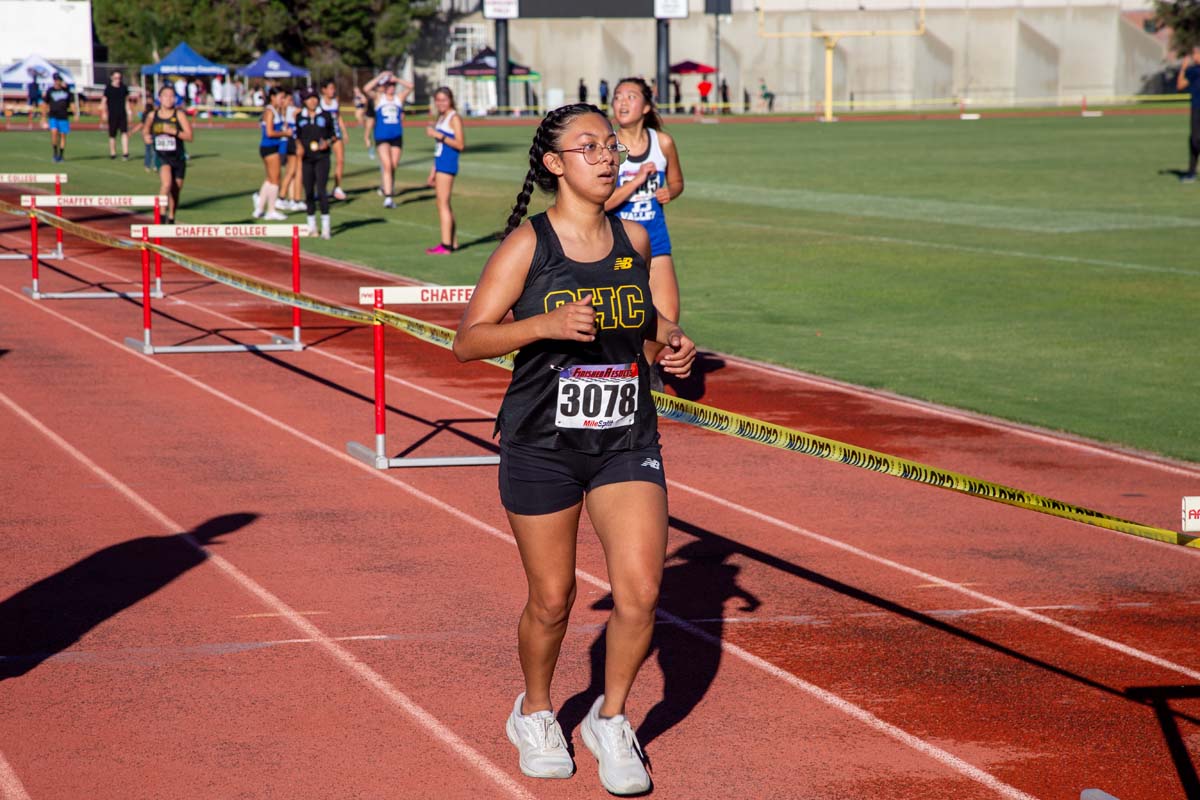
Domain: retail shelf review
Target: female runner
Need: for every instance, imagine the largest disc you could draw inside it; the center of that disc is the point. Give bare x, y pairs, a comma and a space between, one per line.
578, 425
274, 130
650, 178
389, 127
329, 103
448, 132
166, 130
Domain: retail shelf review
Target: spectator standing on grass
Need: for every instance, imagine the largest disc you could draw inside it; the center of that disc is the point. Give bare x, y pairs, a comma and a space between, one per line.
724, 90
447, 131
768, 97
603, 94
34, 95
676, 96
583, 91
289, 189
704, 87
58, 115
1189, 81
329, 103
114, 107
559, 449
148, 154
389, 127
316, 131
272, 128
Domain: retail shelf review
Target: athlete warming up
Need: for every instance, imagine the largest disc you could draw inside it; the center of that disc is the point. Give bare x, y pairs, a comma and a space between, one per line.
650, 178
167, 129
577, 426
389, 127
329, 103
447, 131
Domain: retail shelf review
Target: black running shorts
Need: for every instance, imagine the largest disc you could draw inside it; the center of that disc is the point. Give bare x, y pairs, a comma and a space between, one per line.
534, 480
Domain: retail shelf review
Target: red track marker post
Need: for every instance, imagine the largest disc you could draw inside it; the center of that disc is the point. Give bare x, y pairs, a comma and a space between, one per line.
147, 347
296, 282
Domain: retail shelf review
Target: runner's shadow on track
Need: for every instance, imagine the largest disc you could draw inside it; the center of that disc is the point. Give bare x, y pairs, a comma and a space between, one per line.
693, 386
1159, 698
53, 614
697, 584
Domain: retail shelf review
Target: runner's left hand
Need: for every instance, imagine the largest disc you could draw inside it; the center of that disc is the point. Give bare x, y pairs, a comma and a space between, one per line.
678, 355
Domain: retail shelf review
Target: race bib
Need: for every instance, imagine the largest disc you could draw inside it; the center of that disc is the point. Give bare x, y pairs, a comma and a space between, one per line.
164, 143
597, 396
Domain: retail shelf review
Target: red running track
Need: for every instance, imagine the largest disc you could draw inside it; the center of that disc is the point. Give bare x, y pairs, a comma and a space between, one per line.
346, 632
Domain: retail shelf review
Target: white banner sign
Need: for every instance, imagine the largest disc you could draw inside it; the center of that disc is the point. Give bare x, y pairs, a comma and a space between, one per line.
415, 295
92, 200
670, 9
33, 177
216, 231
500, 9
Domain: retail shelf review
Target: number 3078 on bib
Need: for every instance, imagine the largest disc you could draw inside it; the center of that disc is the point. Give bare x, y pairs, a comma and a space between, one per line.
598, 396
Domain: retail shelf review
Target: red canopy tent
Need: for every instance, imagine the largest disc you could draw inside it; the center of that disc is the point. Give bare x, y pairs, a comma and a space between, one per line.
692, 68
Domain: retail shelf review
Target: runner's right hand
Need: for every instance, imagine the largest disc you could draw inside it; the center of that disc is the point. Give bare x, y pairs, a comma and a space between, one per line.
574, 321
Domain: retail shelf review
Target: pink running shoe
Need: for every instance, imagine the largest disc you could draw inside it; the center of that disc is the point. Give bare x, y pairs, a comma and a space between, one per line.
440, 250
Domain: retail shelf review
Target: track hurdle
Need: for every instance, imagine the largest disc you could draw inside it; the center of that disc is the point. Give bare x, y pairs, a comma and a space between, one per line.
377, 297
35, 201
58, 179
144, 233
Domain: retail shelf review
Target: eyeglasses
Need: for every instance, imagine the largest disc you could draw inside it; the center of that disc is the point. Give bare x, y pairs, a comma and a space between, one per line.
593, 151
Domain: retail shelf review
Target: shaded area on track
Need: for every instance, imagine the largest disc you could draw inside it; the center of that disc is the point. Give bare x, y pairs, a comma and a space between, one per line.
49, 616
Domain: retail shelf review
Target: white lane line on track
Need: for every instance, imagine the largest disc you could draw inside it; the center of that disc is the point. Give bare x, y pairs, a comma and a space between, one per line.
941, 756
818, 380
11, 787
926, 577
340, 654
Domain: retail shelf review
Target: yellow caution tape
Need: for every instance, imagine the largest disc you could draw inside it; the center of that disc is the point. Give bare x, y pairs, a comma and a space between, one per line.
674, 408
263, 290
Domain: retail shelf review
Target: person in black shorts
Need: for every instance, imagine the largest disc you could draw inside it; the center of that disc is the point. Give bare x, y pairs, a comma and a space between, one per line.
578, 425
167, 129
114, 107
58, 101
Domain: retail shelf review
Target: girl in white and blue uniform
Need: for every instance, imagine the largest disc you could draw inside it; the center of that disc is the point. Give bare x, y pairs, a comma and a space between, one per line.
447, 131
389, 126
273, 130
649, 179
330, 105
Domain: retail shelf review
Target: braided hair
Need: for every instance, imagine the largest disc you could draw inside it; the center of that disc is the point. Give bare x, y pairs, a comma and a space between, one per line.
545, 140
652, 119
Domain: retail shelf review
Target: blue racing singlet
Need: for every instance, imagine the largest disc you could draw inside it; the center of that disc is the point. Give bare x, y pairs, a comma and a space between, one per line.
642, 206
445, 159
389, 119
277, 125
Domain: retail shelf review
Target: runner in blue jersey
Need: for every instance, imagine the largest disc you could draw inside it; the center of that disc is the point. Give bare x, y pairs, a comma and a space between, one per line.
650, 178
451, 140
389, 126
577, 426
273, 130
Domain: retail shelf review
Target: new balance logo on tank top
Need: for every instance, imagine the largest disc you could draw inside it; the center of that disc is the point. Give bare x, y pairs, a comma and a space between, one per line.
584, 396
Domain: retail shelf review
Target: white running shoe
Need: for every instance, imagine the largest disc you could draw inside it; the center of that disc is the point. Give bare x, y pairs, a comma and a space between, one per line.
387, 203
338, 194
297, 205
281, 204
539, 740
256, 214
616, 747
275, 216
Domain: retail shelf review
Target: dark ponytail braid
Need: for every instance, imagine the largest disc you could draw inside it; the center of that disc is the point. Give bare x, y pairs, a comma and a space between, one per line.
545, 140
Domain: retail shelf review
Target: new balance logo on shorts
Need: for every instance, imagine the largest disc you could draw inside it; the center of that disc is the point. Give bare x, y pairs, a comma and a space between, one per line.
652, 463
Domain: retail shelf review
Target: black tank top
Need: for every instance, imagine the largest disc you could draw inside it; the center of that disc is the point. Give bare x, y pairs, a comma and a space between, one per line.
311, 130
164, 133
584, 396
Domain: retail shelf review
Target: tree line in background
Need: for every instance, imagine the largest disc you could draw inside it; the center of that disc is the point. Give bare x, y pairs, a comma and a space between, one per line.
323, 35
1183, 18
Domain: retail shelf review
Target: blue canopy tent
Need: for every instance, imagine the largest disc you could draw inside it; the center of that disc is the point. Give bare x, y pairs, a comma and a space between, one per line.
183, 60
272, 65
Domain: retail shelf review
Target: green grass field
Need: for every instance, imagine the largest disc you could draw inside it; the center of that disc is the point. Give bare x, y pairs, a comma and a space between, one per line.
1041, 269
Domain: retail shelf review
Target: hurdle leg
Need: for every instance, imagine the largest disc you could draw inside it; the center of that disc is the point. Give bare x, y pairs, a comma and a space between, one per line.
378, 458
158, 292
33, 240
296, 286
58, 234
145, 345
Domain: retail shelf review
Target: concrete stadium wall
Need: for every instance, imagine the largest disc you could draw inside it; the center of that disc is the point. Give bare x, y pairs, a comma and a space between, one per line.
58, 30
978, 51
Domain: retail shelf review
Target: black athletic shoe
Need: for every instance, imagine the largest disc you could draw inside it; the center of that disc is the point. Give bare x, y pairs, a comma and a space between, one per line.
1187, 177
113, 157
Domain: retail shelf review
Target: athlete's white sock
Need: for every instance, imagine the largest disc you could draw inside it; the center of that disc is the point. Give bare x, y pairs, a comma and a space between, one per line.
312, 224
268, 196
325, 225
